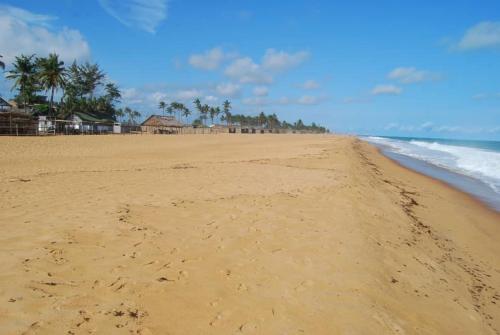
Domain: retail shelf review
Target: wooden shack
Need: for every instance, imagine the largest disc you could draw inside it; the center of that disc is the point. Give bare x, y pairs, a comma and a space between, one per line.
158, 124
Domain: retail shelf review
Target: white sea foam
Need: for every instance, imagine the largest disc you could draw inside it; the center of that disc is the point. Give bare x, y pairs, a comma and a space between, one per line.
474, 162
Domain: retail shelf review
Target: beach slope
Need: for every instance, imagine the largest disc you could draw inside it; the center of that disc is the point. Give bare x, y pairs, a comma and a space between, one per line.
257, 234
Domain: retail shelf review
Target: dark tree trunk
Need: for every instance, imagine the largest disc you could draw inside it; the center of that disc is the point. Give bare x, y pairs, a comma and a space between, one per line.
51, 101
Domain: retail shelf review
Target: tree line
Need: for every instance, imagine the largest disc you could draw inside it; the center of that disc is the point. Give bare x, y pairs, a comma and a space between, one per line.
84, 87
223, 114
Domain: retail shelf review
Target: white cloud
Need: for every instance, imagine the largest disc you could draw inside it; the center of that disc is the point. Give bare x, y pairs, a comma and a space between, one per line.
142, 14
260, 91
211, 98
386, 89
408, 75
430, 127
24, 32
26, 16
132, 96
148, 98
448, 129
485, 96
246, 71
308, 100
482, 35
304, 100
278, 61
310, 85
427, 126
391, 126
228, 90
356, 100
188, 94
156, 97
256, 101
284, 101
210, 60
480, 96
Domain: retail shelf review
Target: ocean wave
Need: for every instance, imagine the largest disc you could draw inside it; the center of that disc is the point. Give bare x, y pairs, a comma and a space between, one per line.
474, 162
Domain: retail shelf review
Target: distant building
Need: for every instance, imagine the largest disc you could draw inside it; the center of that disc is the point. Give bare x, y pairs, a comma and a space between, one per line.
4, 105
158, 124
90, 124
14, 122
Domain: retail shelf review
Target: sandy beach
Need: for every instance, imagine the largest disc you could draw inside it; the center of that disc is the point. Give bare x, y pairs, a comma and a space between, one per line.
235, 234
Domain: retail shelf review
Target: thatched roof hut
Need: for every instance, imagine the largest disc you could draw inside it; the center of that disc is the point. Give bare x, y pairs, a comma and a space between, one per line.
158, 124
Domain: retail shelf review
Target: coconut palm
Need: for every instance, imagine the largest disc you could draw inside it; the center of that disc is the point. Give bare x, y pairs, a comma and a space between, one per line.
2, 64
199, 107
113, 93
205, 109
213, 113
162, 105
177, 107
92, 76
170, 110
226, 107
262, 119
24, 76
186, 112
217, 112
132, 115
119, 114
51, 73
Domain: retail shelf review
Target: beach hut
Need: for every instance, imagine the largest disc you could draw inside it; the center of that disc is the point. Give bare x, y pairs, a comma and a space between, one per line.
4, 105
158, 124
14, 122
87, 123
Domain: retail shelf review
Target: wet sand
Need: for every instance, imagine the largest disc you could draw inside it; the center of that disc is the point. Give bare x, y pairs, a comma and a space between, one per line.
230, 234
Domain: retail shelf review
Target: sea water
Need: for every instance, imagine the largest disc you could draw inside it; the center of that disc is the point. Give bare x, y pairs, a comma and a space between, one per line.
472, 166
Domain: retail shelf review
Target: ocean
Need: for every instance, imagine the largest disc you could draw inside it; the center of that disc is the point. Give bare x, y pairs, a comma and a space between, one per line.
472, 166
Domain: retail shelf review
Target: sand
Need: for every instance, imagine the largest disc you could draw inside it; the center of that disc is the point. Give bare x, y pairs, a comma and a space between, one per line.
235, 234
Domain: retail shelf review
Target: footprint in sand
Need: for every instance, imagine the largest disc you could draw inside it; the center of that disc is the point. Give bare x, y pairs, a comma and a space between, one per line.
306, 284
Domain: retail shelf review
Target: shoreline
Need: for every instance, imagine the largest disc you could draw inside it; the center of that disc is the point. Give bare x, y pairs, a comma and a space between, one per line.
320, 234
465, 181
472, 197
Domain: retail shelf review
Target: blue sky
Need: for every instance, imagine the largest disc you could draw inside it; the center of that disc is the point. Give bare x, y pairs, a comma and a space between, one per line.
426, 68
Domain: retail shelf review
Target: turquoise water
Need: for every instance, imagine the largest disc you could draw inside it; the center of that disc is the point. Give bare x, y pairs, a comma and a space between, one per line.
473, 166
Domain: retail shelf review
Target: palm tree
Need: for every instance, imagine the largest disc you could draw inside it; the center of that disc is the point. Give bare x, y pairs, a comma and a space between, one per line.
119, 114
170, 110
2, 64
226, 109
92, 76
262, 118
162, 105
112, 93
132, 115
186, 112
199, 107
135, 115
177, 107
213, 113
205, 109
51, 75
23, 74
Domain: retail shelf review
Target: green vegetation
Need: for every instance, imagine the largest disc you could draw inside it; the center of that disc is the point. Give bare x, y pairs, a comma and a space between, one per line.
84, 89
262, 120
128, 116
175, 108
